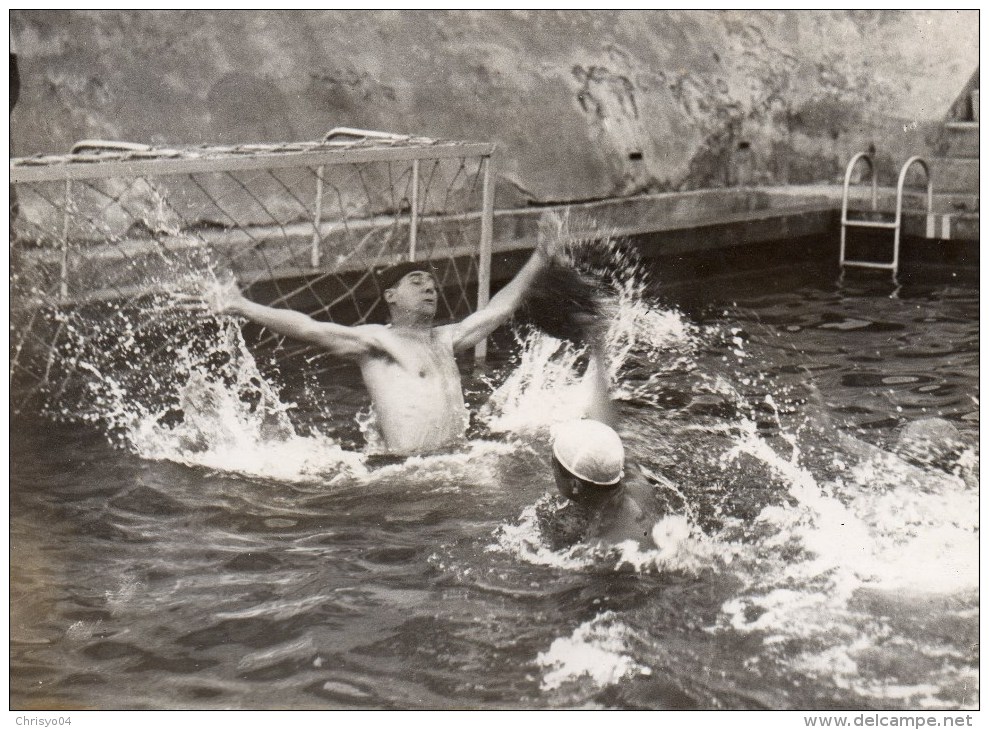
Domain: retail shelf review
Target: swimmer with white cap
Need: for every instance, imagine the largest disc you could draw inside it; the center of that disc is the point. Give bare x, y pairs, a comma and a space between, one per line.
590, 469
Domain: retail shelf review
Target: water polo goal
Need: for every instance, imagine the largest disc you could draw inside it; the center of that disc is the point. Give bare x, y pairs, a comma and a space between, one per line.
300, 225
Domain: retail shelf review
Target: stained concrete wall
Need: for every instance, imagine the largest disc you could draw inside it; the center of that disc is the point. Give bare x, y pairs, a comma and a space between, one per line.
583, 104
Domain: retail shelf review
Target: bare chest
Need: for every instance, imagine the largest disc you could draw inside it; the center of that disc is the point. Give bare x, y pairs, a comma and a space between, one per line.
411, 357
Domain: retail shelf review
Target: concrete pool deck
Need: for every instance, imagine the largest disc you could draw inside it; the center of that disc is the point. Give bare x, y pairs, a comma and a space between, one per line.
737, 216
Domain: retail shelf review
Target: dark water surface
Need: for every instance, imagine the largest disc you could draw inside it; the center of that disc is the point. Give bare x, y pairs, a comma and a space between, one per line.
806, 560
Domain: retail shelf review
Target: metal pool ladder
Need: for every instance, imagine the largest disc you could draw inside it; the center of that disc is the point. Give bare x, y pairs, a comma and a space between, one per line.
877, 221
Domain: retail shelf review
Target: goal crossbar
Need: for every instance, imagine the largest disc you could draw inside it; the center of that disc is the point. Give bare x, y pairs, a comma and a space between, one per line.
169, 161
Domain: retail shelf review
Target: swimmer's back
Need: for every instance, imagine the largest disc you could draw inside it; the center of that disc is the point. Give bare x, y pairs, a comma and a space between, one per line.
630, 518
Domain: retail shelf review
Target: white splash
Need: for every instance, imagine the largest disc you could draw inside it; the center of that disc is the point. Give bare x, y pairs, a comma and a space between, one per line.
680, 546
545, 387
887, 523
173, 384
474, 467
597, 649
881, 525
524, 539
227, 417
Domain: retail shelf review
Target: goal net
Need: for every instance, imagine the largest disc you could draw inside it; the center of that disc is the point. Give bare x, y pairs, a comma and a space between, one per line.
113, 227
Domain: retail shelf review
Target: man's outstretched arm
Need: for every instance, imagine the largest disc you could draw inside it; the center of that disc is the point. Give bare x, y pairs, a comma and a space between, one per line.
483, 322
349, 342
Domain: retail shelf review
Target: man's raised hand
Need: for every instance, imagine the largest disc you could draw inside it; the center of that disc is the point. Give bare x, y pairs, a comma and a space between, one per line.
217, 297
224, 297
553, 235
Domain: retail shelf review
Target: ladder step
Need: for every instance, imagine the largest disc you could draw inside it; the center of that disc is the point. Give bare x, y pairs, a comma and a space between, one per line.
869, 224
867, 264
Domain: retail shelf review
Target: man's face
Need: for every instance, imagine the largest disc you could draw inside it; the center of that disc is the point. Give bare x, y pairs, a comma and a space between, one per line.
414, 293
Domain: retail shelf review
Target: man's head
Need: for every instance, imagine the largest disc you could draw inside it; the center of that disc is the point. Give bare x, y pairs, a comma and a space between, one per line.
588, 460
410, 291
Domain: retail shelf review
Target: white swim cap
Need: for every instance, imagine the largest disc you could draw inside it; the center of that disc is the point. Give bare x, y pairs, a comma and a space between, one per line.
589, 450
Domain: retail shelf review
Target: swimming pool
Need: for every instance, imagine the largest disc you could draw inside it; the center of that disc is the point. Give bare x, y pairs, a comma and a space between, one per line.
232, 560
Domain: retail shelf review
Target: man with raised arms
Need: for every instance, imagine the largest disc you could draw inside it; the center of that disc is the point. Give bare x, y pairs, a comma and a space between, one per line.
407, 365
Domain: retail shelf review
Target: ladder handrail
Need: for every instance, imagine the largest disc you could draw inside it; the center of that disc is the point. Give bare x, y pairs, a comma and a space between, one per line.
844, 195
915, 160
900, 183
848, 179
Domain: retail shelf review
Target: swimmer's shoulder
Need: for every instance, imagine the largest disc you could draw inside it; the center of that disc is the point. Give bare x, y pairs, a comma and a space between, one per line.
626, 520
445, 334
375, 334
639, 478
375, 329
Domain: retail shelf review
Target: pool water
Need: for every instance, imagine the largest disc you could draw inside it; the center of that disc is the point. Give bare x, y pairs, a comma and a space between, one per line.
247, 555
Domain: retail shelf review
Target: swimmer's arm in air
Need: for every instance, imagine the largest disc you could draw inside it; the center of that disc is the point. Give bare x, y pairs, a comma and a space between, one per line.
353, 343
482, 323
599, 406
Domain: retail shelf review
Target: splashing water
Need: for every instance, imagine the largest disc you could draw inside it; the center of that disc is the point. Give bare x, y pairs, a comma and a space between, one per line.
233, 420
545, 388
525, 540
170, 384
597, 649
824, 584
678, 544
881, 528
541, 390
810, 563
883, 522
